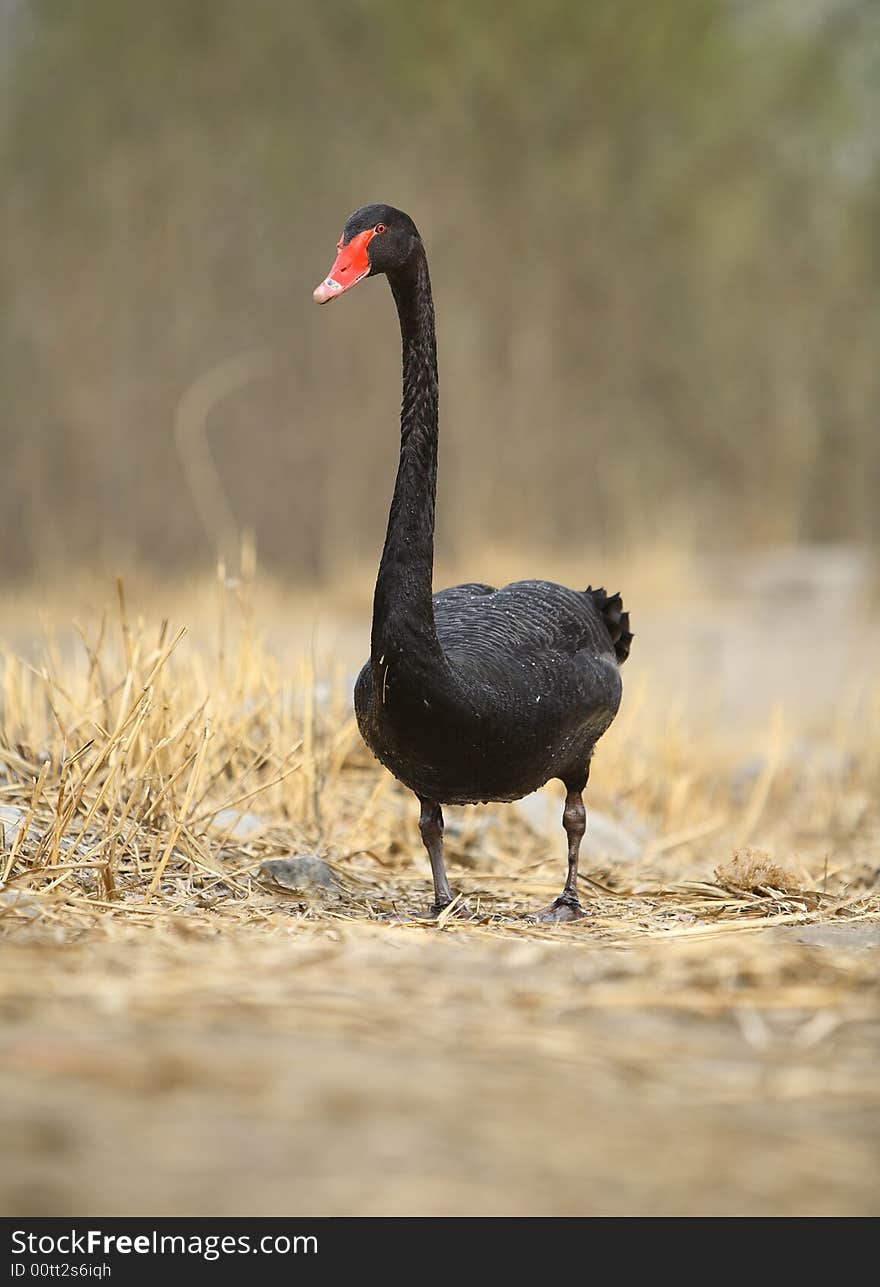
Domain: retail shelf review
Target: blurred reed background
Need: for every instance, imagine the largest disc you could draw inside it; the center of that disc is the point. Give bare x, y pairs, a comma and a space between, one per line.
653, 233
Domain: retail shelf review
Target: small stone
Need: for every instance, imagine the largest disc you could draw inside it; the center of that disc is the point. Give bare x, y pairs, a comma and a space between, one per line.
304, 874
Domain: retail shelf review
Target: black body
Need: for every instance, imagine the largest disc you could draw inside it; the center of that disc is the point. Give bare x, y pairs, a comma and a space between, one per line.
472, 694
524, 682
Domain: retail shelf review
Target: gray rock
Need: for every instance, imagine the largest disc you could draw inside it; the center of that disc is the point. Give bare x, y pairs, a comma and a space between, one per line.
304, 874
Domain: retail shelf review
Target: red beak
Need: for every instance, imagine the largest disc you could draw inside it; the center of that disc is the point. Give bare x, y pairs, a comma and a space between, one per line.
351, 266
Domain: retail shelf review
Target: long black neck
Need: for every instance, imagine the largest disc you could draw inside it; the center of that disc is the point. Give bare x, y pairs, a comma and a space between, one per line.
403, 615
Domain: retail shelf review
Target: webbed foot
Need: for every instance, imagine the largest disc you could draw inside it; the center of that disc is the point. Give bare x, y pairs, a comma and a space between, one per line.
454, 908
564, 908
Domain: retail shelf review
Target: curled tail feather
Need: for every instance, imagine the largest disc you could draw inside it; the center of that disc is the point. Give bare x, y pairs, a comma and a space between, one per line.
610, 608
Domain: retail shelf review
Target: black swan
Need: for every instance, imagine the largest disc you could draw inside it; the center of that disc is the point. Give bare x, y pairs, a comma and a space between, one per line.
472, 694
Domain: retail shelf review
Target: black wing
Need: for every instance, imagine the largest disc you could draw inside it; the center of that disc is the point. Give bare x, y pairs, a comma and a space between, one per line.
539, 651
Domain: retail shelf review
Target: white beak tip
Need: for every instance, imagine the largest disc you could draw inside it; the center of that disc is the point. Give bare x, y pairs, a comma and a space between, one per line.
327, 290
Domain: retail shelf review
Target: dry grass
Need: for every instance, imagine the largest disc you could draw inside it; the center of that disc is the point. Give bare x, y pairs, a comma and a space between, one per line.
696, 1044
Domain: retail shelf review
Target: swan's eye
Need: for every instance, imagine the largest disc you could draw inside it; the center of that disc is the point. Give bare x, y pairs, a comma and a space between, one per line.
380, 227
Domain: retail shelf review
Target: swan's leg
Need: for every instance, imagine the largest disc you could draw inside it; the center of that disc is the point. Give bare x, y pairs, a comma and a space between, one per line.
431, 827
567, 906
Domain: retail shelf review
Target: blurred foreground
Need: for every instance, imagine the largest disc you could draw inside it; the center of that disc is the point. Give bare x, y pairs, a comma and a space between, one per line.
183, 1034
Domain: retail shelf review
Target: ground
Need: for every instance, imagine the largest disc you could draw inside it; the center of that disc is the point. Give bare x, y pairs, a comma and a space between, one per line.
181, 1033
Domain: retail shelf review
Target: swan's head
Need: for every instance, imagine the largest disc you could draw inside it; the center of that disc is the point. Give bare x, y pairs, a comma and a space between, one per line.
375, 239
